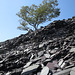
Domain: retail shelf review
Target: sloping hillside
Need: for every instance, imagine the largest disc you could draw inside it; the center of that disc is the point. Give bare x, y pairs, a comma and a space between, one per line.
51, 51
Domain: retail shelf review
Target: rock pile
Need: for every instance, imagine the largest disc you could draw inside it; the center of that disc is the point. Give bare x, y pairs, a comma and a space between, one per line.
51, 51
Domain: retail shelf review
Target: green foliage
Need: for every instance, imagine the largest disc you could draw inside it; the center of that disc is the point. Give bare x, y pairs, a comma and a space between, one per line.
35, 15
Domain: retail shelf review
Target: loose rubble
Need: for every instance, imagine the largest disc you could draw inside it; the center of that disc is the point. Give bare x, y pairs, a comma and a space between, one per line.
50, 52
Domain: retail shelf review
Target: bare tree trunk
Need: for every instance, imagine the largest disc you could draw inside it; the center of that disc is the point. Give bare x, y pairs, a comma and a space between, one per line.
36, 30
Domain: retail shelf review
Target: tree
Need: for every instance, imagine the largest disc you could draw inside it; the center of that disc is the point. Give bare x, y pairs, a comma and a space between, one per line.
35, 15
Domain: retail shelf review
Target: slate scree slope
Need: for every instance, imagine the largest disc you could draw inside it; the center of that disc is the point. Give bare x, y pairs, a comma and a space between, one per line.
51, 51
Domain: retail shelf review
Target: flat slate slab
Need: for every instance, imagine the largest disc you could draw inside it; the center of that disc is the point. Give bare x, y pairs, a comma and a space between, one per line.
28, 64
63, 72
72, 71
72, 50
29, 69
47, 55
40, 53
51, 66
9, 73
45, 71
60, 62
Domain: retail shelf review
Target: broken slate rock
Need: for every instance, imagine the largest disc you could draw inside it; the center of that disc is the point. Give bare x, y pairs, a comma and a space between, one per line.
44, 43
8, 73
63, 65
47, 55
40, 53
36, 59
51, 66
53, 51
72, 50
30, 69
72, 71
28, 64
63, 72
60, 62
45, 71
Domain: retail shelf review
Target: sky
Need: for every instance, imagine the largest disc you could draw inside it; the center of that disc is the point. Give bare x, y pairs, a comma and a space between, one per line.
9, 21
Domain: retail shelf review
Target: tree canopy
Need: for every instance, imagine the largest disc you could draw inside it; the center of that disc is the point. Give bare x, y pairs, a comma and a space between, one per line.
35, 15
